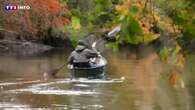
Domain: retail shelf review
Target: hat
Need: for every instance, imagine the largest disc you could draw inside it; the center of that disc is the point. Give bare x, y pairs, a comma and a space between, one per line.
82, 42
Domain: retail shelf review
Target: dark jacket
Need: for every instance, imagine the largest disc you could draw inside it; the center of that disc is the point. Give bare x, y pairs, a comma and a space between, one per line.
81, 54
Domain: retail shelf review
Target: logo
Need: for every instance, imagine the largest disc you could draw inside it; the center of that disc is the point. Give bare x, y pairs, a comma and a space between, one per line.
11, 7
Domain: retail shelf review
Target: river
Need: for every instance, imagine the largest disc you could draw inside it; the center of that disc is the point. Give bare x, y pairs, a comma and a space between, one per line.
131, 84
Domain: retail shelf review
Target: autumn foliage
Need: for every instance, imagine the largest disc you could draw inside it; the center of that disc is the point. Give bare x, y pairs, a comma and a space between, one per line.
44, 15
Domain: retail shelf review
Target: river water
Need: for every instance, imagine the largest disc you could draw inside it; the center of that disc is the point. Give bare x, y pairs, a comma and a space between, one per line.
131, 83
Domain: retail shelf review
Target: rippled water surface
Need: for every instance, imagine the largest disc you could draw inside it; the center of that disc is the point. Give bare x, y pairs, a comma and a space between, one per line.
130, 84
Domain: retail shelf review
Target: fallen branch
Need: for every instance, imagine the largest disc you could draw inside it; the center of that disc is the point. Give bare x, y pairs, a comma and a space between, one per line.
4, 47
14, 32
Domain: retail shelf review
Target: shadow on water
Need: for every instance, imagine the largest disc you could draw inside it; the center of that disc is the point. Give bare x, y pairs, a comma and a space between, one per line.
132, 83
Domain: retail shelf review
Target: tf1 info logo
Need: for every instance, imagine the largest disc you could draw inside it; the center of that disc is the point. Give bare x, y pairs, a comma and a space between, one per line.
11, 7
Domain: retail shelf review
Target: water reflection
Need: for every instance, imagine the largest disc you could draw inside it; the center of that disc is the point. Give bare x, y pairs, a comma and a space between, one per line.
132, 83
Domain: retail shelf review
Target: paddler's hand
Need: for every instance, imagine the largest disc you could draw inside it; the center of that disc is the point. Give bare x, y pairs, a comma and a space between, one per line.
70, 66
98, 53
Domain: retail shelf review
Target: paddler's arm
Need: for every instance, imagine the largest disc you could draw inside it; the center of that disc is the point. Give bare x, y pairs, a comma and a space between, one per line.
70, 59
91, 54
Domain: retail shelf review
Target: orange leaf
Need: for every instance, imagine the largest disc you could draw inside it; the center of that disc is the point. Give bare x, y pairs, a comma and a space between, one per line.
173, 77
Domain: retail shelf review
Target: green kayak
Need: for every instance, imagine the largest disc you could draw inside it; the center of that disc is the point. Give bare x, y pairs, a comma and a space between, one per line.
95, 70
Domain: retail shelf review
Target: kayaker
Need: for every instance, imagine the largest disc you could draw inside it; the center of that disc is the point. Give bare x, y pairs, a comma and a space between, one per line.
82, 54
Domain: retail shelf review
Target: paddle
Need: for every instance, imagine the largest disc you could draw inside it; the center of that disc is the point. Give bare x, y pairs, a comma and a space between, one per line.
110, 35
53, 72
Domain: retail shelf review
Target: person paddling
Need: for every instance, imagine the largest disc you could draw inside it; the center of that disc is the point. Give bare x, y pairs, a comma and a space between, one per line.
82, 55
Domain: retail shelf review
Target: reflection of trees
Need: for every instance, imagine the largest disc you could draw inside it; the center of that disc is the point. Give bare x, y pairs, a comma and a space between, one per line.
144, 89
30, 68
143, 76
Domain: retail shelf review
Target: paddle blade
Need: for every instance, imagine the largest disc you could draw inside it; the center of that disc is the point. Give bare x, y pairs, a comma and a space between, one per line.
113, 33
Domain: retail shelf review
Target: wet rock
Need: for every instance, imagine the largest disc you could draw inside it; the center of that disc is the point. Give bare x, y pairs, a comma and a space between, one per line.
22, 48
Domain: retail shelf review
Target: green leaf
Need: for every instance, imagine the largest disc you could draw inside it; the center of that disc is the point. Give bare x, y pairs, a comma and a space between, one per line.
147, 38
63, 1
193, 21
164, 52
113, 45
134, 9
133, 26
189, 31
131, 31
75, 22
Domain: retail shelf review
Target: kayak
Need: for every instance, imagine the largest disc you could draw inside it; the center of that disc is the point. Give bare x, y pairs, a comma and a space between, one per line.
94, 71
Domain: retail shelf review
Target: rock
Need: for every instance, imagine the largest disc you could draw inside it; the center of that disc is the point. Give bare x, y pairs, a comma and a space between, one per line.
22, 48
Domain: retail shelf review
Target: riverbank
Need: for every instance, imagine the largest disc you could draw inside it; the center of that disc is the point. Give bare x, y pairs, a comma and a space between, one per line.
22, 48
31, 47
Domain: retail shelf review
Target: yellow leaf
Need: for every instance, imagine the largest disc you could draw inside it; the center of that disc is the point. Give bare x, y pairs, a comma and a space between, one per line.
126, 2
182, 84
120, 8
177, 48
180, 61
149, 37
